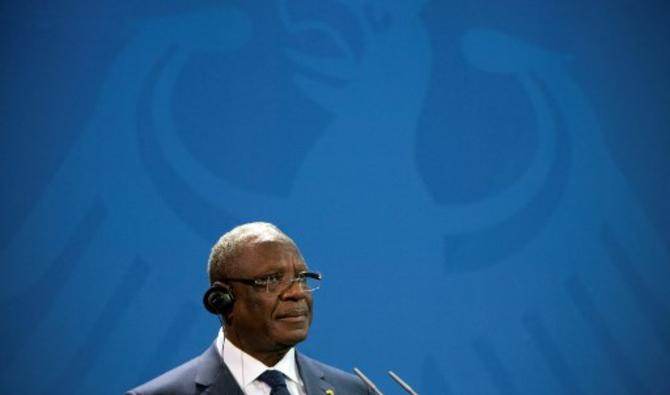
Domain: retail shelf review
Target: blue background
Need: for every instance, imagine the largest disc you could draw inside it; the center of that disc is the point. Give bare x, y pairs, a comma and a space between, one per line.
483, 184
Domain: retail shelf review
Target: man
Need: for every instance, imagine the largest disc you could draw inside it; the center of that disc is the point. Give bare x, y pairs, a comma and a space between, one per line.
262, 289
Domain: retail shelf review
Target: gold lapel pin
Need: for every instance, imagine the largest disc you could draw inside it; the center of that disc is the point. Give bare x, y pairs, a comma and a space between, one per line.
330, 392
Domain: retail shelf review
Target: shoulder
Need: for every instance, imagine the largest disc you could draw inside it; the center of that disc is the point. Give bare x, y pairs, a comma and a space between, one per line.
180, 380
343, 382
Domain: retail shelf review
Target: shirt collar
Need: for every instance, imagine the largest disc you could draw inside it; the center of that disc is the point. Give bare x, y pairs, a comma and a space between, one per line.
246, 368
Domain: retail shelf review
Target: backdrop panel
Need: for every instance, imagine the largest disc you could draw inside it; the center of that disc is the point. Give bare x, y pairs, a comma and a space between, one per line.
484, 186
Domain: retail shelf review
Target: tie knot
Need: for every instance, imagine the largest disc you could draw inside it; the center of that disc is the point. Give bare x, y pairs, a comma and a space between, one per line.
273, 378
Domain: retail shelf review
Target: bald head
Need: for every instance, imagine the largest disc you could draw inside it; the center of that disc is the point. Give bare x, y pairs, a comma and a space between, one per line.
224, 253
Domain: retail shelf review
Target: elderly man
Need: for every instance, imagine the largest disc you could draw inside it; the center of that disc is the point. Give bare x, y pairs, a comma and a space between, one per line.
262, 290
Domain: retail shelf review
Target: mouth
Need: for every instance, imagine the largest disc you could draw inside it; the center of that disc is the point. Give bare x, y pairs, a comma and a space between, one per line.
294, 319
293, 315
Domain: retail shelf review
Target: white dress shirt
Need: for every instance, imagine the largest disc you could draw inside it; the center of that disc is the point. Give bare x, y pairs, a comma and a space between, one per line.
246, 369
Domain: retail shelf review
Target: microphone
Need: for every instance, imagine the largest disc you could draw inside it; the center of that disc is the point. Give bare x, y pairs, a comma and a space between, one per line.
367, 382
402, 383
376, 390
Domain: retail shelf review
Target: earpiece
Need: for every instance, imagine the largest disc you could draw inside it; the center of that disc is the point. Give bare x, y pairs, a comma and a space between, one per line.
218, 299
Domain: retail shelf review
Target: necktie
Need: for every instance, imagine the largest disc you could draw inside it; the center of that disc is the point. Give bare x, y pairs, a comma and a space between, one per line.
275, 379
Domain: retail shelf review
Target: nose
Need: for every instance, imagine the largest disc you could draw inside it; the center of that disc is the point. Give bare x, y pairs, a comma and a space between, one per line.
294, 291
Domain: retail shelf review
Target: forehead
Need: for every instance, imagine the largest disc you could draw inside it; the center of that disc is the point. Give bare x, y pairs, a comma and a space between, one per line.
260, 257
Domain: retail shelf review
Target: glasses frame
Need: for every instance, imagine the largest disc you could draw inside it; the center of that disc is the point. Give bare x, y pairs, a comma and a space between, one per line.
265, 283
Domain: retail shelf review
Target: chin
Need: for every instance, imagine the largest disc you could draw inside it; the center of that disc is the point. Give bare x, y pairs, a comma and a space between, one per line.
292, 337
292, 330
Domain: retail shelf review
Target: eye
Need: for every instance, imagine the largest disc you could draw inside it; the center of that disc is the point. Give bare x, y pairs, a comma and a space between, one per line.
269, 279
303, 277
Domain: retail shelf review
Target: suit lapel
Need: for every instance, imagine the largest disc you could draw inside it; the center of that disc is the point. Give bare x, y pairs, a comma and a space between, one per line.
312, 376
213, 376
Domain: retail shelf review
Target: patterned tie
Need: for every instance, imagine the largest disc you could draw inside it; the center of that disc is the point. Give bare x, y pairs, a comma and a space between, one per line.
275, 379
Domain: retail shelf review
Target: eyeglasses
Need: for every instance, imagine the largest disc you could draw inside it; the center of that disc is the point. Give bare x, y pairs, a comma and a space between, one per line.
277, 283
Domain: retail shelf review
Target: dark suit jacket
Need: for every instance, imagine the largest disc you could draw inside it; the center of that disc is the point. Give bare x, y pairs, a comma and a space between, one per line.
207, 374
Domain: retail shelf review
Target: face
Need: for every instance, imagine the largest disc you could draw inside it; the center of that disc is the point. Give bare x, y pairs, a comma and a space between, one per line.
262, 322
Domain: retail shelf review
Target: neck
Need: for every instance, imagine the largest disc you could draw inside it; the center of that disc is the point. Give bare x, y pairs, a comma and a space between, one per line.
269, 358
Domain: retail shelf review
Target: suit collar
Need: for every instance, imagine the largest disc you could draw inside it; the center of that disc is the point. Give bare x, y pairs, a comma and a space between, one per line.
214, 375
